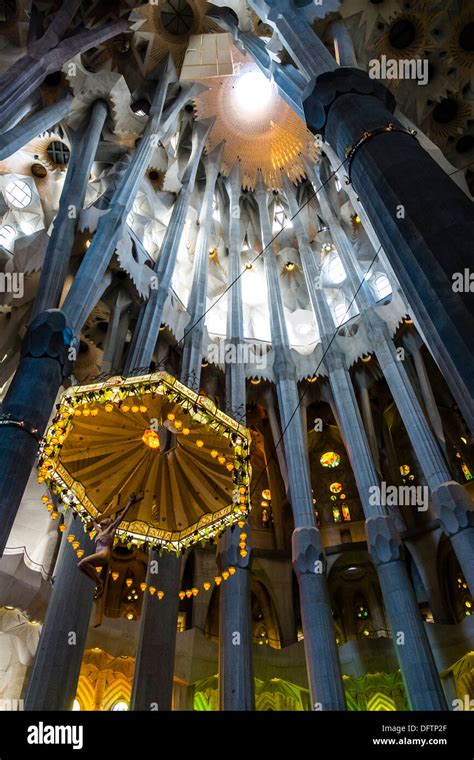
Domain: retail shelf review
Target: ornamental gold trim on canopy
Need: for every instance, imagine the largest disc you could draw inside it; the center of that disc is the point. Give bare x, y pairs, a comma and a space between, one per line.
188, 462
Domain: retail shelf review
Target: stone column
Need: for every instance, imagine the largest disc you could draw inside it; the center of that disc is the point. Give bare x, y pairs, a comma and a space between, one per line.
153, 679
56, 668
84, 290
61, 241
236, 683
343, 45
324, 674
192, 340
452, 503
44, 363
154, 663
367, 416
425, 249
148, 326
20, 135
419, 671
450, 500
235, 371
275, 430
116, 333
49, 53
414, 343
304, 46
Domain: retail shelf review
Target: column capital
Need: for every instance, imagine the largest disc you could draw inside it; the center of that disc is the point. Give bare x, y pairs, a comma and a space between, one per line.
383, 540
332, 84
50, 336
454, 507
228, 550
308, 555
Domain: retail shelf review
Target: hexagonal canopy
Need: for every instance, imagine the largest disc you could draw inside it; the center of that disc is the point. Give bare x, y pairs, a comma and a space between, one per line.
153, 436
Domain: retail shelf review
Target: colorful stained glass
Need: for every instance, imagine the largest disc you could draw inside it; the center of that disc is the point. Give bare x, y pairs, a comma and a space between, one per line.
404, 469
335, 487
330, 459
346, 513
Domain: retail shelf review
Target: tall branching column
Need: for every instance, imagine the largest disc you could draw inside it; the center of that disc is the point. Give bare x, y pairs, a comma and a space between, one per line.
146, 333
154, 662
417, 664
192, 350
309, 560
236, 684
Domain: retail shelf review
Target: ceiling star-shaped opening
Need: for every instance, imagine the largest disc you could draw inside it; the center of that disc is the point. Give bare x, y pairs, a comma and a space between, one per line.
154, 437
165, 26
258, 128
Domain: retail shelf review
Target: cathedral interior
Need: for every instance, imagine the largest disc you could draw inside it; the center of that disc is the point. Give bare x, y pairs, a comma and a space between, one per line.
236, 316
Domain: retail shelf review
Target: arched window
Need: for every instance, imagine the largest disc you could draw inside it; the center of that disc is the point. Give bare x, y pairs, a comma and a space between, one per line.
341, 513
7, 236
18, 193
120, 706
335, 270
382, 286
280, 220
76, 706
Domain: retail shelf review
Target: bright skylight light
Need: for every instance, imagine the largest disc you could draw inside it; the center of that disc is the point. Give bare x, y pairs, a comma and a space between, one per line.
253, 92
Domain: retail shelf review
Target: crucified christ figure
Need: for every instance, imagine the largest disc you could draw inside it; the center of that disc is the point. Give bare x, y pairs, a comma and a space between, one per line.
104, 540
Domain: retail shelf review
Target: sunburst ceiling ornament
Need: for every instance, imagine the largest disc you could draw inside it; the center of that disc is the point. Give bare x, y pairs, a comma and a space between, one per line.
461, 44
149, 435
257, 126
165, 26
370, 12
407, 36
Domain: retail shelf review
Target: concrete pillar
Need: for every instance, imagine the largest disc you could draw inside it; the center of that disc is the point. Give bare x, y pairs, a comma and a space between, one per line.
367, 416
309, 561
56, 668
154, 662
304, 46
343, 45
193, 336
414, 343
158, 626
20, 135
236, 682
425, 250
402, 610
148, 326
44, 363
48, 54
61, 241
419, 671
84, 291
116, 333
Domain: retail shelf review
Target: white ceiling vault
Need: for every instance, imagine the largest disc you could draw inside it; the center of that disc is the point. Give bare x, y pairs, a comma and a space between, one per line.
266, 136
